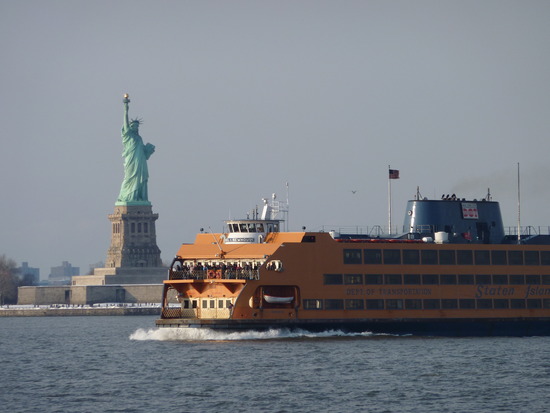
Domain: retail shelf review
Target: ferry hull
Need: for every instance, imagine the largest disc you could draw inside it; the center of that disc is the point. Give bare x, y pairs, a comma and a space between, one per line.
515, 327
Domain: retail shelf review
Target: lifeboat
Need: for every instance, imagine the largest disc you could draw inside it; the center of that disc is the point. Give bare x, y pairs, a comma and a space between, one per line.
272, 299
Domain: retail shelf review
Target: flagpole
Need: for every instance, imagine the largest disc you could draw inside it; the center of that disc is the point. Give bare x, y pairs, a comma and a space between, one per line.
389, 200
519, 211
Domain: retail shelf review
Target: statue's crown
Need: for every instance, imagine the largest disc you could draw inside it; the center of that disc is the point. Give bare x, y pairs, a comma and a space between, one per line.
136, 120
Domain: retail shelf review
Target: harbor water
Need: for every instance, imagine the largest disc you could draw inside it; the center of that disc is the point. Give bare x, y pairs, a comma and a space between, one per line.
126, 364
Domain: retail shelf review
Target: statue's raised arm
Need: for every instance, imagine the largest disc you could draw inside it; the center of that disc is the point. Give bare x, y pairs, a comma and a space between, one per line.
126, 122
134, 187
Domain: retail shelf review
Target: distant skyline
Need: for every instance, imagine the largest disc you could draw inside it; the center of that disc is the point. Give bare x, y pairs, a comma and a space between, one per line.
241, 97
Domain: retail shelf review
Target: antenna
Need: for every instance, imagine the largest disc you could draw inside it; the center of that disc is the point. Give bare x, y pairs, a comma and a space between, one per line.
287, 207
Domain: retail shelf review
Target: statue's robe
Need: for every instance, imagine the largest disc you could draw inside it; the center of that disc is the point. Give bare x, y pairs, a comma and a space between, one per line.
136, 174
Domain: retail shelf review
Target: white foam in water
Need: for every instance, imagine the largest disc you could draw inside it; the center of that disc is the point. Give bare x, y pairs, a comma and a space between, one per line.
206, 334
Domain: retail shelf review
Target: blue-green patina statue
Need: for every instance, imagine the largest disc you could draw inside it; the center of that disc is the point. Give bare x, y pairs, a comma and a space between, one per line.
134, 187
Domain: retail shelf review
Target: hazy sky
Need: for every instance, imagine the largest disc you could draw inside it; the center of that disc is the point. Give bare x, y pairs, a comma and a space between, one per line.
240, 97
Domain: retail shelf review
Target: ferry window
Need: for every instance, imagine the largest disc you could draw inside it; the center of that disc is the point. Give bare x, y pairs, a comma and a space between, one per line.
532, 279
500, 279
204, 304
517, 303
195, 304
546, 302
260, 227
531, 258
375, 304
242, 228
394, 304
482, 257
464, 257
185, 303
333, 279
517, 279
313, 304
412, 278
467, 303
411, 257
484, 303
212, 303
251, 227
534, 303
483, 279
334, 304
447, 257
228, 304
498, 257
392, 279
447, 279
546, 279
429, 257
449, 303
353, 279
392, 256
464, 279
545, 257
430, 279
501, 303
372, 256
431, 304
413, 304
373, 278
355, 304
515, 257
352, 256
311, 238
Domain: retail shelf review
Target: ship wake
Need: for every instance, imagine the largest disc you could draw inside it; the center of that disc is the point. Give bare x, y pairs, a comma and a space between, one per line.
206, 334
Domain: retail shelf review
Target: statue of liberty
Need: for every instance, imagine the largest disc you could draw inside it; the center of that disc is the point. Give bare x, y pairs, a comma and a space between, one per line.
134, 187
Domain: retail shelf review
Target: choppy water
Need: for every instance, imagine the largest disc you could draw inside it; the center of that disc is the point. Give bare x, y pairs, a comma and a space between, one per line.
125, 364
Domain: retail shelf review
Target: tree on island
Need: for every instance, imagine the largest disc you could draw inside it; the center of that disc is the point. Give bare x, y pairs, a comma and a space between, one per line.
8, 281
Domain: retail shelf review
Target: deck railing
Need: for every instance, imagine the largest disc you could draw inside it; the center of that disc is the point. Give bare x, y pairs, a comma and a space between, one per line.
169, 312
527, 230
227, 274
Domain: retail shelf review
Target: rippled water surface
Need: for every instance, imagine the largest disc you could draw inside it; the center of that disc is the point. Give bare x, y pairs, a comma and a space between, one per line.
125, 364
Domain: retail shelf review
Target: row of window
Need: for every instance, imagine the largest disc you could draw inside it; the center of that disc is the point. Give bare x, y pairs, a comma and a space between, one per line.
134, 227
435, 279
207, 303
425, 304
445, 257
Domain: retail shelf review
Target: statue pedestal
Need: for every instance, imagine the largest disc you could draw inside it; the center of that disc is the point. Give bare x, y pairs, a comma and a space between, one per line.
133, 238
133, 257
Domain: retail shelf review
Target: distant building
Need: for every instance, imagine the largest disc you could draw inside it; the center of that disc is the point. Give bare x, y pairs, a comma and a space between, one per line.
28, 275
62, 275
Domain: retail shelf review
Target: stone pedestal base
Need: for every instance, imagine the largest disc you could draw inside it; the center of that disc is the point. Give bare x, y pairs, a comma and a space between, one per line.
118, 275
133, 238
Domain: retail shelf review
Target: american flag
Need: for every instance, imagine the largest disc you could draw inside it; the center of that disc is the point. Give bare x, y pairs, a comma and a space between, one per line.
394, 174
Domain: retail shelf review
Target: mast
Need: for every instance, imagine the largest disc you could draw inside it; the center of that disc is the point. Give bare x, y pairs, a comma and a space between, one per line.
389, 199
519, 210
287, 207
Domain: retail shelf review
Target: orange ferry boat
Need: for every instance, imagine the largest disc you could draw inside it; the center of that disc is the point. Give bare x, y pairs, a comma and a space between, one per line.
453, 271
